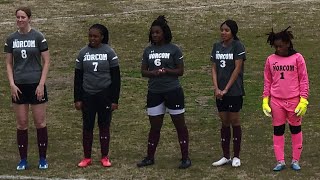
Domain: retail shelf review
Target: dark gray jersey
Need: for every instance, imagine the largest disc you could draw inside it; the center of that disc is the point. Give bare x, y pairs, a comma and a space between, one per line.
26, 51
157, 57
224, 58
95, 64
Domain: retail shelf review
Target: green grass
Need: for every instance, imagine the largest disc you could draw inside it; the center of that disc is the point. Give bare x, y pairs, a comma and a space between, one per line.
195, 26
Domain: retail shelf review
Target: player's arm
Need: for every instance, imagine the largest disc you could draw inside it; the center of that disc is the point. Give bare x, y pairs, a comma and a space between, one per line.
145, 72
45, 69
234, 75
115, 86
9, 64
178, 71
266, 89
216, 89
77, 89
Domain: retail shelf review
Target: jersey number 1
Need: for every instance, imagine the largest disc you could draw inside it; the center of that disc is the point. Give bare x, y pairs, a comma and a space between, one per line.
282, 75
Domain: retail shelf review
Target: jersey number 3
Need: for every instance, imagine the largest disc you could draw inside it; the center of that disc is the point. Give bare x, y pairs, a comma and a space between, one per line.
222, 63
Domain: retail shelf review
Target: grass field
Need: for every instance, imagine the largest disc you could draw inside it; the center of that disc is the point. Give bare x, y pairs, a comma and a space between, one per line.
195, 26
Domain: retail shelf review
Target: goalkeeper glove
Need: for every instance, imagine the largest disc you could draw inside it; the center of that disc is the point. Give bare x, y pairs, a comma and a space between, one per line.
301, 109
265, 106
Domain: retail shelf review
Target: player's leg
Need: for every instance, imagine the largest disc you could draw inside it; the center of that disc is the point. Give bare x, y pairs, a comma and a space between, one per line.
38, 108
156, 110
225, 132
21, 112
296, 133
104, 120
234, 116
278, 122
88, 117
174, 101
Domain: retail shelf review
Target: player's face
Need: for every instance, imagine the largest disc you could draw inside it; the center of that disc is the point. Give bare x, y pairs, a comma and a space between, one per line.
22, 19
281, 47
95, 37
157, 35
226, 34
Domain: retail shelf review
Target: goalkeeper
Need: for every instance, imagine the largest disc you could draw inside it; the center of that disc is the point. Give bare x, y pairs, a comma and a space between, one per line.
286, 89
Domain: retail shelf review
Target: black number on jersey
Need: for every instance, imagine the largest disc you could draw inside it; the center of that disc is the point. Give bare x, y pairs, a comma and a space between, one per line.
282, 75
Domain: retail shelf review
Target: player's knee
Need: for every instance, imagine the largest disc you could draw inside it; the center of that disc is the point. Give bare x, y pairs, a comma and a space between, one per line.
41, 124
295, 129
279, 130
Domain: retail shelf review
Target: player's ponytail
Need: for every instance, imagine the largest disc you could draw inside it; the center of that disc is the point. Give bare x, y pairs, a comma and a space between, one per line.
103, 30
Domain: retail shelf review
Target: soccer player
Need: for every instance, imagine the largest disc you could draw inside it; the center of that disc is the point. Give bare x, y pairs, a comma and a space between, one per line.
228, 56
162, 63
96, 90
25, 49
286, 88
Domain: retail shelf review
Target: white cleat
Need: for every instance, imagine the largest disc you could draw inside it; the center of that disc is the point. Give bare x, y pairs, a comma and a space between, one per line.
221, 162
236, 162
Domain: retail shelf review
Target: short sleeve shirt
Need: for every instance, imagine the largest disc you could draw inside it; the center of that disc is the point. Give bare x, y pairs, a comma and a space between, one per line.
95, 64
26, 51
224, 58
165, 56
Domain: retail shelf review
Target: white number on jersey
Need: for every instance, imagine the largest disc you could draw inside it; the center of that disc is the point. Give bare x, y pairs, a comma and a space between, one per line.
95, 66
157, 62
223, 63
24, 54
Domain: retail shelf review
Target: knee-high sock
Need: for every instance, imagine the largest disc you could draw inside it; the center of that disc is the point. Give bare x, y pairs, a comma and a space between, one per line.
153, 140
104, 133
87, 138
183, 136
225, 133
22, 140
278, 147
42, 136
237, 134
296, 145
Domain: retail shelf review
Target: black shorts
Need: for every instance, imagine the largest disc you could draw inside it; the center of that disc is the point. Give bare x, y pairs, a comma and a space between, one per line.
172, 100
28, 95
230, 104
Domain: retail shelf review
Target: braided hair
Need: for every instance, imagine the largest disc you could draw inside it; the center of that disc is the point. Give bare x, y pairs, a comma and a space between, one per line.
103, 31
163, 23
284, 35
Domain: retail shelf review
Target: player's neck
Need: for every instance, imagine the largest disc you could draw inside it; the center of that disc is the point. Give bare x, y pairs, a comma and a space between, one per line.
24, 30
227, 43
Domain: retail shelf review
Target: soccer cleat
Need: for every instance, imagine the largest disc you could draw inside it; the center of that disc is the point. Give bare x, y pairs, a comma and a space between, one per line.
84, 162
146, 162
185, 163
105, 161
295, 165
236, 162
280, 166
221, 162
43, 164
23, 165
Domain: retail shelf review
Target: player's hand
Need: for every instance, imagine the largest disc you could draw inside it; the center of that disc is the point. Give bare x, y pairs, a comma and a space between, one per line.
301, 109
265, 106
15, 92
114, 106
162, 71
155, 72
78, 105
218, 93
40, 92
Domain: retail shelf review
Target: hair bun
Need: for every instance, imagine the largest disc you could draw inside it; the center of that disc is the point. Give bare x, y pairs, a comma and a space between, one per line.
162, 18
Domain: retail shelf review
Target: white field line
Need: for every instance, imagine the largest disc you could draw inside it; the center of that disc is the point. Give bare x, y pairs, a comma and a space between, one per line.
244, 3
8, 177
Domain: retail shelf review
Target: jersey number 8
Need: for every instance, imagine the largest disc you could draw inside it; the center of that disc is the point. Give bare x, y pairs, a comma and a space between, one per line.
24, 54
